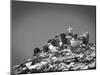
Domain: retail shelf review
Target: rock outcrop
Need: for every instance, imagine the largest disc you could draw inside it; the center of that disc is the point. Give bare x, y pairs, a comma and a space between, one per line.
65, 52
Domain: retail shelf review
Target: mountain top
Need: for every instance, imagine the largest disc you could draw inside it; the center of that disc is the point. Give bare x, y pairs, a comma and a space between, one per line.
65, 52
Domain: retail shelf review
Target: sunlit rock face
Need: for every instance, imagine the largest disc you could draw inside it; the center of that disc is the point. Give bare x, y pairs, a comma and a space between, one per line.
65, 52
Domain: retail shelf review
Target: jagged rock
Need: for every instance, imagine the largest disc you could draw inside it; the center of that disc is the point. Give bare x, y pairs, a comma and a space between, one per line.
67, 51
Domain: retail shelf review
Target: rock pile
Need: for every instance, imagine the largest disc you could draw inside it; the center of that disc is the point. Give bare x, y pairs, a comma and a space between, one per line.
65, 52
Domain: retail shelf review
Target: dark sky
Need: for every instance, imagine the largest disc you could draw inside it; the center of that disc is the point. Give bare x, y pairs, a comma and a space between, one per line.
33, 23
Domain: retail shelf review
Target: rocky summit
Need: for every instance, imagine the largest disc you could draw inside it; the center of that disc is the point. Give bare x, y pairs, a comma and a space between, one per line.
65, 52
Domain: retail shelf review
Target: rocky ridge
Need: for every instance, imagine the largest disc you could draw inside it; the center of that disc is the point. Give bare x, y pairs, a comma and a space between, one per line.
65, 52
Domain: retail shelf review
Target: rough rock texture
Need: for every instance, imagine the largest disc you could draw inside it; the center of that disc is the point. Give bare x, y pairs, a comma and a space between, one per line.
66, 52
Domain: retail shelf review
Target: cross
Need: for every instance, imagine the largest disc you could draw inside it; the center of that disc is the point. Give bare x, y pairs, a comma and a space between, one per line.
69, 29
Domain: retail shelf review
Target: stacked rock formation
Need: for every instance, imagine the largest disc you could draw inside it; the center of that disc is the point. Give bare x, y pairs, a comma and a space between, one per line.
65, 52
